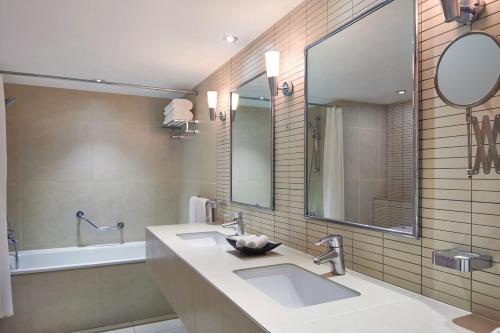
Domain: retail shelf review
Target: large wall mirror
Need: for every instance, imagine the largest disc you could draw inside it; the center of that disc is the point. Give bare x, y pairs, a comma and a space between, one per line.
252, 144
361, 122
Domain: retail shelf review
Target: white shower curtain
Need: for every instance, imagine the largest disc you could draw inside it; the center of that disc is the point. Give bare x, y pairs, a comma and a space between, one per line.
6, 308
333, 165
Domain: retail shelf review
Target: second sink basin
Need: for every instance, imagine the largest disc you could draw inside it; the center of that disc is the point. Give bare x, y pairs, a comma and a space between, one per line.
204, 239
295, 287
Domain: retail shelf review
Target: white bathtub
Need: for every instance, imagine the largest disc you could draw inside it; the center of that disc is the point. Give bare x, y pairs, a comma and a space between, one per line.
36, 261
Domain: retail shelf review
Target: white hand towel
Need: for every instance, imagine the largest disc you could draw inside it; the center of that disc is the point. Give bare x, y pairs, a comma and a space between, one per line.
197, 210
193, 202
201, 210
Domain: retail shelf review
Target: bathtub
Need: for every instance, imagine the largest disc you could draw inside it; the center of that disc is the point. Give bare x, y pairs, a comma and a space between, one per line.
112, 281
67, 258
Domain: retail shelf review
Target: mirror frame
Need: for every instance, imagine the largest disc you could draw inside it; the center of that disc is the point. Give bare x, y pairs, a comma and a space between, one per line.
491, 93
271, 109
416, 105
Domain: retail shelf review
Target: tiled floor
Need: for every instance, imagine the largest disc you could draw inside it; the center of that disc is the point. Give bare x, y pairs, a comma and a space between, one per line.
169, 326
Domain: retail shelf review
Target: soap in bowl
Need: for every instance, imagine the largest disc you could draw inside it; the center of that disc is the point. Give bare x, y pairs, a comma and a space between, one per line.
250, 251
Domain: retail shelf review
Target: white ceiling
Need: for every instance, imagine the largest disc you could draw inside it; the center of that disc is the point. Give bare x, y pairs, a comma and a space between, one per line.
367, 62
167, 43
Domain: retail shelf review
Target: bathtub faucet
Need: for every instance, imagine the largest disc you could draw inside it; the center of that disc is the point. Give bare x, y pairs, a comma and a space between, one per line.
12, 241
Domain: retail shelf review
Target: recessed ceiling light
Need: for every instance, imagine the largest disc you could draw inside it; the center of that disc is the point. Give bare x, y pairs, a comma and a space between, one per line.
230, 38
99, 80
401, 92
261, 98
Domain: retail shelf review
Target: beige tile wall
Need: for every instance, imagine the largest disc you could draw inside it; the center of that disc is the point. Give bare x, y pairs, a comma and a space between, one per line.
455, 211
103, 153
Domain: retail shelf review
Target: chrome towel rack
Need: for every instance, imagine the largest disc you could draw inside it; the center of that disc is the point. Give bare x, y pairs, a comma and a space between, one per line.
81, 215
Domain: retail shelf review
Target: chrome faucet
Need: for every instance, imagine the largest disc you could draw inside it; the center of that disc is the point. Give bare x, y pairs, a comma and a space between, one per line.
12, 241
334, 255
236, 223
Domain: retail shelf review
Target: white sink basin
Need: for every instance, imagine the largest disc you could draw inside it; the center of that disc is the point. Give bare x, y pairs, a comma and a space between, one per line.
295, 287
204, 239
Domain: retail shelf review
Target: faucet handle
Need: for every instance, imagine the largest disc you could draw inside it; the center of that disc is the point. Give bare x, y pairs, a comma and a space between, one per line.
334, 241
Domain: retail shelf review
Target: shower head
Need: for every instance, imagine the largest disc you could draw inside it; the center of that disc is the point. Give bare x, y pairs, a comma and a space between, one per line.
313, 128
9, 101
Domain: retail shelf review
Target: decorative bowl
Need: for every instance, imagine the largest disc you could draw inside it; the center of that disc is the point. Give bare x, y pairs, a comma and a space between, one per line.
250, 251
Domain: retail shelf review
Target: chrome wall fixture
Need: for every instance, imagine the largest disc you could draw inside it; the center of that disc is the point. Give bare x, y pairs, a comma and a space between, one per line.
81, 216
273, 70
462, 11
98, 81
461, 261
212, 106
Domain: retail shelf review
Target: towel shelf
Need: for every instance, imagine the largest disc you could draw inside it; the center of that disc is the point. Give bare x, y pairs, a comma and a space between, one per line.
183, 128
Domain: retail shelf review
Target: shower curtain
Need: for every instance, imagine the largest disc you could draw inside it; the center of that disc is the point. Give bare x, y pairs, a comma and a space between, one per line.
333, 165
6, 308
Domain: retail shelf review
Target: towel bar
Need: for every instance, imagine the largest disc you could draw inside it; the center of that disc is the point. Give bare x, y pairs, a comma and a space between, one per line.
81, 215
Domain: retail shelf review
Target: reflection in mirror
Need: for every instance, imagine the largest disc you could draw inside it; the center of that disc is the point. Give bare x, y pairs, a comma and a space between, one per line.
252, 144
361, 144
468, 71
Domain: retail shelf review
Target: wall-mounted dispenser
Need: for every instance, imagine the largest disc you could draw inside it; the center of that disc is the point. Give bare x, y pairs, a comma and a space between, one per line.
461, 261
462, 11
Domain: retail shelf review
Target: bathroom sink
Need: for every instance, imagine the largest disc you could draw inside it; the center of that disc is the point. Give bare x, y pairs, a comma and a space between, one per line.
295, 287
204, 239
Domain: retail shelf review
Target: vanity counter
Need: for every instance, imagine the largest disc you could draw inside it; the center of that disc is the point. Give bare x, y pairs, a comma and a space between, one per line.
381, 307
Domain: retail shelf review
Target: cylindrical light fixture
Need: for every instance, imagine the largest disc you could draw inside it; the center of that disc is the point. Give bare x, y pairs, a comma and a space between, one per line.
212, 105
273, 63
273, 71
462, 11
235, 99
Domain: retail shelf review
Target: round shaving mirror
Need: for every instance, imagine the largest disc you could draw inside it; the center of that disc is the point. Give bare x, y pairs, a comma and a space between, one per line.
468, 71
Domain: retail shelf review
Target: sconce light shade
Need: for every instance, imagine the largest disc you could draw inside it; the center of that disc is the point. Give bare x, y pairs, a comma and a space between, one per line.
212, 105
273, 71
212, 99
235, 99
462, 11
273, 63
451, 9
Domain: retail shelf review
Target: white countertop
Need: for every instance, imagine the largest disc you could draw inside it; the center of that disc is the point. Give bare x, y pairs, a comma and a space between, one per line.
381, 307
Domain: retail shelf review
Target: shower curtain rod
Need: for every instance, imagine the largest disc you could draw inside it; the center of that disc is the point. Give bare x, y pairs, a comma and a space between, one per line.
318, 104
98, 81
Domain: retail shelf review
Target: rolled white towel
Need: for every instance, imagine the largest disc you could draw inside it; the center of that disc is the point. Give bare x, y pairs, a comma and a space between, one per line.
241, 242
179, 104
257, 242
180, 115
252, 241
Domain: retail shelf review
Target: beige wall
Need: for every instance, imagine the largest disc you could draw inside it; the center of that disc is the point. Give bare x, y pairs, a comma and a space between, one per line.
455, 211
198, 161
103, 153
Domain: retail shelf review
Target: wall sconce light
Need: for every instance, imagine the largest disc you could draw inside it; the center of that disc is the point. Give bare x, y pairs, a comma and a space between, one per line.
235, 99
273, 70
212, 105
462, 11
